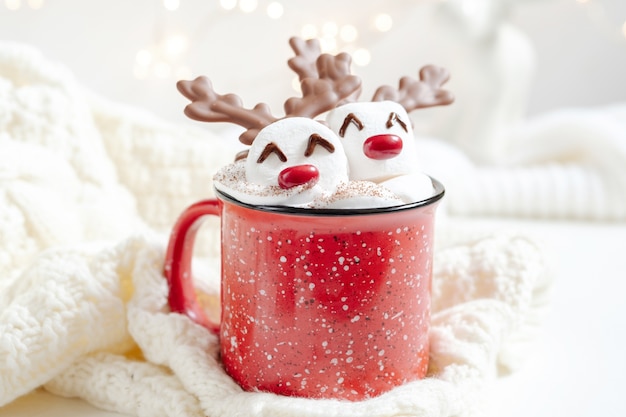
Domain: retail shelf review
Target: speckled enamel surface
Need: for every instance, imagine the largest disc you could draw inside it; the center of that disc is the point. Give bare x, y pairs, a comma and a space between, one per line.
325, 307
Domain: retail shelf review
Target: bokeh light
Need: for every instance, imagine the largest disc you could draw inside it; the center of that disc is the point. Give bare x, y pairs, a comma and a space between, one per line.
228, 4
13, 4
361, 57
171, 5
275, 10
248, 6
348, 33
383, 22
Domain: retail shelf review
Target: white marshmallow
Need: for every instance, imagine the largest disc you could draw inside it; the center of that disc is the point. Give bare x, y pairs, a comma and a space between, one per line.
411, 187
259, 182
374, 117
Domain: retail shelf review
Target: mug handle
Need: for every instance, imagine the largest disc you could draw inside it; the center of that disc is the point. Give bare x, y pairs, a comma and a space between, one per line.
177, 269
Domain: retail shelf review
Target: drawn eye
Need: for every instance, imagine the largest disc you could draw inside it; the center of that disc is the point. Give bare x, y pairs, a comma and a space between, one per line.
393, 118
315, 140
350, 119
271, 148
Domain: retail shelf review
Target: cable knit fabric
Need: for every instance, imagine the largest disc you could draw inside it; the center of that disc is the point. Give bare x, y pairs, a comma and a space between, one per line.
88, 192
567, 164
99, 328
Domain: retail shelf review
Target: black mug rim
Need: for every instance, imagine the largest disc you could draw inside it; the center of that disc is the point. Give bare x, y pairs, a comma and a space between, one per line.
438, 194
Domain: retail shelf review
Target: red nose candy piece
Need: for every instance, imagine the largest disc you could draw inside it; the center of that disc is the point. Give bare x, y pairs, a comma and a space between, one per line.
298, 175
382, 146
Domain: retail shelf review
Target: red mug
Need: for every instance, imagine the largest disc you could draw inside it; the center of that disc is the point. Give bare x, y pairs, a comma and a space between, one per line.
317, 303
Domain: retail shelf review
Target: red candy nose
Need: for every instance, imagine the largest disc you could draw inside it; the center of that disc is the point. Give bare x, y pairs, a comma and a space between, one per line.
382, 146
298, 175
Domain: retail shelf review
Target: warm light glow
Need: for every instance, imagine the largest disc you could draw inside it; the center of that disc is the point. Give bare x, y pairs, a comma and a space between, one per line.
228, 4
348, 33
383, 22
157, 62
624, 29
582, 1
175, 45
275, 10
12, 4
330, 29
248, 6
361, 57
308, 31
171, 5
35, 4
328, 45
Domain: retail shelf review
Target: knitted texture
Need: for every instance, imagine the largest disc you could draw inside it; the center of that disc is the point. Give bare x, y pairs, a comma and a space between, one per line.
568, 164
88, 191
94, 323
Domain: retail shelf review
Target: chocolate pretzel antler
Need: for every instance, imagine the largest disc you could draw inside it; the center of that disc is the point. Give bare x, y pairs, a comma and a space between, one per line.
415, 94
307, 52
318, 96
333, 84
310, 63
208, 106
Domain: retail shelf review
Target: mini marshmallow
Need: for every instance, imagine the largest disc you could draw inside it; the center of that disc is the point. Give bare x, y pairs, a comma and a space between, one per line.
356, 123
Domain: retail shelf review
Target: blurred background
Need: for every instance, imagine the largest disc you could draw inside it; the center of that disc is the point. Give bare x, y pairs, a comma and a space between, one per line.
511, 61
555, 53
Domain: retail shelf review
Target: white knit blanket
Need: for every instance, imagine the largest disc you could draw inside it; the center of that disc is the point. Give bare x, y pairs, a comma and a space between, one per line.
567, 164
88, 192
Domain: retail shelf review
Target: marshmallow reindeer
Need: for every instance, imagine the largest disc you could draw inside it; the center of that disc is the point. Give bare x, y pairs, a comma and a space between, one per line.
300, 155
377, 135
292, 160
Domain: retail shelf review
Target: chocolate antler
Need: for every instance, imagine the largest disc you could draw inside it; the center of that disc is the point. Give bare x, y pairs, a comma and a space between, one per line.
323, 93
308, 63
307, 52
208, 106
415, 94
318, 96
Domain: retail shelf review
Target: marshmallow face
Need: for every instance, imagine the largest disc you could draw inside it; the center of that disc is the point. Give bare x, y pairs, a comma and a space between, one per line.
300, 162
377, 138
293, 161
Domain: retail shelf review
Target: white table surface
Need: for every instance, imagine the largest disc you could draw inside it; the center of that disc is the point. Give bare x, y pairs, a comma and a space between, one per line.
577, 367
